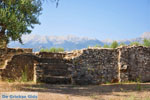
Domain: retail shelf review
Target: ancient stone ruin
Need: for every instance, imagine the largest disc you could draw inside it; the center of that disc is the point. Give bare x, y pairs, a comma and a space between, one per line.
86, 66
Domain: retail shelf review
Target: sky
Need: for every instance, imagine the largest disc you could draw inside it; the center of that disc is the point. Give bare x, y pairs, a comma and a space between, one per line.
100, 19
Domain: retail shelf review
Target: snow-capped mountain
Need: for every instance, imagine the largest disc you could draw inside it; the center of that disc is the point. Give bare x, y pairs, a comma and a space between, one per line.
145, 35
69, 42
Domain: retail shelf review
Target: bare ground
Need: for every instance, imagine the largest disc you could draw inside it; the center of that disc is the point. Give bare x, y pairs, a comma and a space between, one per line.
132, 91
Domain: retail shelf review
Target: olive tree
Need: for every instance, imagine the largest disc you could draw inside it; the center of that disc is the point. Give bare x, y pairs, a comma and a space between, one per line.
17, 17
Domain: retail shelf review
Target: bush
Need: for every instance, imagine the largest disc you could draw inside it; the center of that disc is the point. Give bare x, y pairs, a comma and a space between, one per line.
44, 50
135, 43
97, 45
122, 44
60, 50
106, 46
146, 42
114, 44
52, 50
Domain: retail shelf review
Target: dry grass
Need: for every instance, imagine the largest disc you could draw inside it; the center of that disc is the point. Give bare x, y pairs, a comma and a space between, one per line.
73, 92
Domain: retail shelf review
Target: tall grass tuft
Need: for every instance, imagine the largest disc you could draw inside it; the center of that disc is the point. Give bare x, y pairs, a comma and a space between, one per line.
24, 77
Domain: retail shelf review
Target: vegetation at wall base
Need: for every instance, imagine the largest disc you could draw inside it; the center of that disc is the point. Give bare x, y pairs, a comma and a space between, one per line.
24, 77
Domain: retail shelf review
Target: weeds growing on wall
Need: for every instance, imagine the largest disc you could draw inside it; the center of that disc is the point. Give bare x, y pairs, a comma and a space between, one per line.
139, 88
24, 77
9, 80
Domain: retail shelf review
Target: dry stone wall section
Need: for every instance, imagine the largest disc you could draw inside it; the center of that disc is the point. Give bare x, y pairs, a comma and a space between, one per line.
14, 62
52, 68
95, 66
86, 66
135, 64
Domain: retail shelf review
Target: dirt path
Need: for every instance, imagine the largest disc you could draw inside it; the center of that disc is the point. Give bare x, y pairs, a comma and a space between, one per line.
72, 92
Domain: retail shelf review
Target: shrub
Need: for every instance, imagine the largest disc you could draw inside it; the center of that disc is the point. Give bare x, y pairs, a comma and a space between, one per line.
146, 42
135, 43
114, 44
52, 50
122, 44
97, 45
106, 46
60, 50
44, 50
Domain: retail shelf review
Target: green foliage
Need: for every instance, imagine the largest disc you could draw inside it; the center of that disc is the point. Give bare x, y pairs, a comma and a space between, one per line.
17, 17
114, 44
146, 42
106, 46
24, 77
139, 88
122, 44
9, 80
97, 45
135, 43
52, 50
44, 50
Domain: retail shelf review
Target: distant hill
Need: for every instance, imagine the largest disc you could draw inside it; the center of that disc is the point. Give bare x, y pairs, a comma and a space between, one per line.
67, 42
128, 41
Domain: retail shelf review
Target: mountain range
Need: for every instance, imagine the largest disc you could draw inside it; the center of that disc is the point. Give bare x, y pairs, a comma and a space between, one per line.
69, 42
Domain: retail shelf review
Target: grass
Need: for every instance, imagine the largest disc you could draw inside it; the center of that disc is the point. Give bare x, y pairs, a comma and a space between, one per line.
10, 80
1, 65
133, 97
139, 88
138, 84
24, 77
94, 96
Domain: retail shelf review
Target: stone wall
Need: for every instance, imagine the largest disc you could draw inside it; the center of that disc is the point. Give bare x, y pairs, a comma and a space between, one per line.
52, 68
134, 63
51, 55
19, 66
95, 66
13, 63
7, 55
2, 55
86, 66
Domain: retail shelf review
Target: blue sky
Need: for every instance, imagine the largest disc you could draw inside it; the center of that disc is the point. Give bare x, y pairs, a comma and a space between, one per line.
101, 19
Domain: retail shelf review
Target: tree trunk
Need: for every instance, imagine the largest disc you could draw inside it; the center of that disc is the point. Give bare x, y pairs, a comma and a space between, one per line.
3, 40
